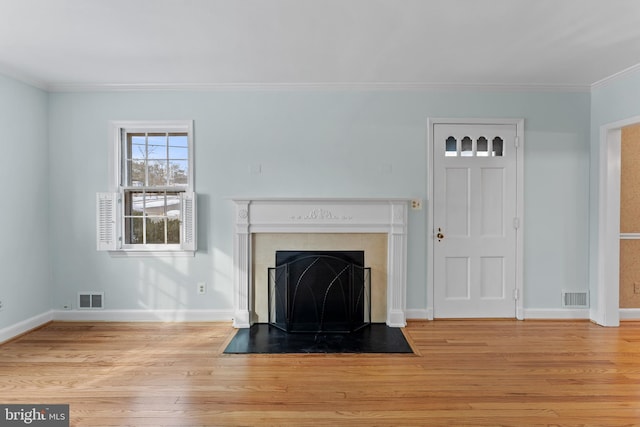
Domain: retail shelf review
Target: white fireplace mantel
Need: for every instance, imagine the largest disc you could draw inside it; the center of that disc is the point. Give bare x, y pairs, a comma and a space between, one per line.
321, 216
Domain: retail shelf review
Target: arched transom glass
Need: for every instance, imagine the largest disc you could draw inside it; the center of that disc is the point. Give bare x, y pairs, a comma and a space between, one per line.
474, 147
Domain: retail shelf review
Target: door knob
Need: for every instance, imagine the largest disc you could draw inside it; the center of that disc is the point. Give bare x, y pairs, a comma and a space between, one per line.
440, 236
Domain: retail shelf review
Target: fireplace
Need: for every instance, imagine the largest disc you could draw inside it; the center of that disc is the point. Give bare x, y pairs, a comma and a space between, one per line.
282, 218
319, 291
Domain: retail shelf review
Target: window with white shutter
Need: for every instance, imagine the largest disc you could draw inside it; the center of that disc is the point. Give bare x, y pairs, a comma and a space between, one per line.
152, 206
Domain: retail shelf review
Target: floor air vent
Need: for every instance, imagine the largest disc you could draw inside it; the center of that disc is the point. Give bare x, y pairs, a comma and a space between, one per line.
575, 299
91, 300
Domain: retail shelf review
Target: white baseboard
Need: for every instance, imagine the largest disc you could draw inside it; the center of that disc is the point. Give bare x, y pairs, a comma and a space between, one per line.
143, 315
227, 316
556, 313
25, 326
630, 314
19, 328
417, 314
532, 313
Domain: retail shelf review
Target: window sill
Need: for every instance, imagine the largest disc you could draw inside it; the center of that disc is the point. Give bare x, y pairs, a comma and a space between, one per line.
136, 253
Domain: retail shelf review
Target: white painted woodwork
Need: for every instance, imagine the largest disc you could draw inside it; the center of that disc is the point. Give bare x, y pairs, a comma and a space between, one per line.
188, 221
106, 220
321, 216
475, 207
606, 309
108, 226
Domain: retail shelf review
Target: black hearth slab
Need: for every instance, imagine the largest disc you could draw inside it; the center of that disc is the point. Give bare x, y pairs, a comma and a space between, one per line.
266, 339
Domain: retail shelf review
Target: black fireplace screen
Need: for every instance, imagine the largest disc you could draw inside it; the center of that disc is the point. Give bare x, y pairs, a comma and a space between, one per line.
319, 291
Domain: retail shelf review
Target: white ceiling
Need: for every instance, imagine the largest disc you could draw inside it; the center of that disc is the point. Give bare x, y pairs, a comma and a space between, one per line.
62, 44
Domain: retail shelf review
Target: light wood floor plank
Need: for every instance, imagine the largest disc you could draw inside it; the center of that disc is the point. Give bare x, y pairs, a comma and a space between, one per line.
472, 373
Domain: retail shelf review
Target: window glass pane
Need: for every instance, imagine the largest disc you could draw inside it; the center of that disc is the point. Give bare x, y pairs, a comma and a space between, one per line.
137, 146
451, 149
178, 153
173, 205
136, 173
497, 146
157, 171
173, 230
467, 147
134, 203
155, 232
133, 231
483, 147
155, 204
178, 140
134, 159
157, 146
178, 173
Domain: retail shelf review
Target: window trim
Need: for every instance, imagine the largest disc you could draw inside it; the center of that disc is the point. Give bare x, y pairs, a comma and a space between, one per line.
119, 128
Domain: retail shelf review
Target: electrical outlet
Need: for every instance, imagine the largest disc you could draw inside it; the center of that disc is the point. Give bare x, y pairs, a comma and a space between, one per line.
416, 204
636, 288
202, 288
67, 306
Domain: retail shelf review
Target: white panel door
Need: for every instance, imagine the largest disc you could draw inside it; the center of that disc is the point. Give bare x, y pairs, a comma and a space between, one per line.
474, 202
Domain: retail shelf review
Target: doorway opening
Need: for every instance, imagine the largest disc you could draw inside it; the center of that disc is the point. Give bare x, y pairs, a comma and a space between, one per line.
606, 311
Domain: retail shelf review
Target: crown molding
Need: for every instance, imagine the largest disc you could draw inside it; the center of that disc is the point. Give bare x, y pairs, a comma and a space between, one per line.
23, 77
320, 86
617, 76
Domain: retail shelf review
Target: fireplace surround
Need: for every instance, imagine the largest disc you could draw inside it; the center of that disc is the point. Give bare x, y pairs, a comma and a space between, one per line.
268, 215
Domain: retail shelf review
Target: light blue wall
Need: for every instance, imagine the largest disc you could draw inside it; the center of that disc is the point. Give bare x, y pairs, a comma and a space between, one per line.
315, 143
617, 100
25, 285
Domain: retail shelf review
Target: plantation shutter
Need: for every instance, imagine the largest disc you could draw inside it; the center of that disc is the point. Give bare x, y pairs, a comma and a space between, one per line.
106, 207
188, 221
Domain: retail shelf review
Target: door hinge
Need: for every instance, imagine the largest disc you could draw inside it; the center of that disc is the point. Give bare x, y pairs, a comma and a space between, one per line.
516, 142
516, 294
516, 223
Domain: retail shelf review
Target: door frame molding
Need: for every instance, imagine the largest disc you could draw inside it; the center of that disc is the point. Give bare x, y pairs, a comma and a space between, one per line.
519, 258
607, 309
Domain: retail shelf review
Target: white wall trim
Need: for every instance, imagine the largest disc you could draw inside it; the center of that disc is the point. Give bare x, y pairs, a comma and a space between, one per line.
320, 215
418, 314
529, 313
306, 86
143, 315
35, 322
556, 313
606, 311
315, 86
617, 76
24, 326
519, 123
630, 314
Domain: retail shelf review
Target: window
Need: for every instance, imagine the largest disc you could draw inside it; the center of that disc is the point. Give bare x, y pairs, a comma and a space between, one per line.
152, 205
467, 147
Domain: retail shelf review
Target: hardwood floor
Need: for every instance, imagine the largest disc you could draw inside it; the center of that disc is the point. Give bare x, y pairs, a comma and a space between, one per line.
471, 373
